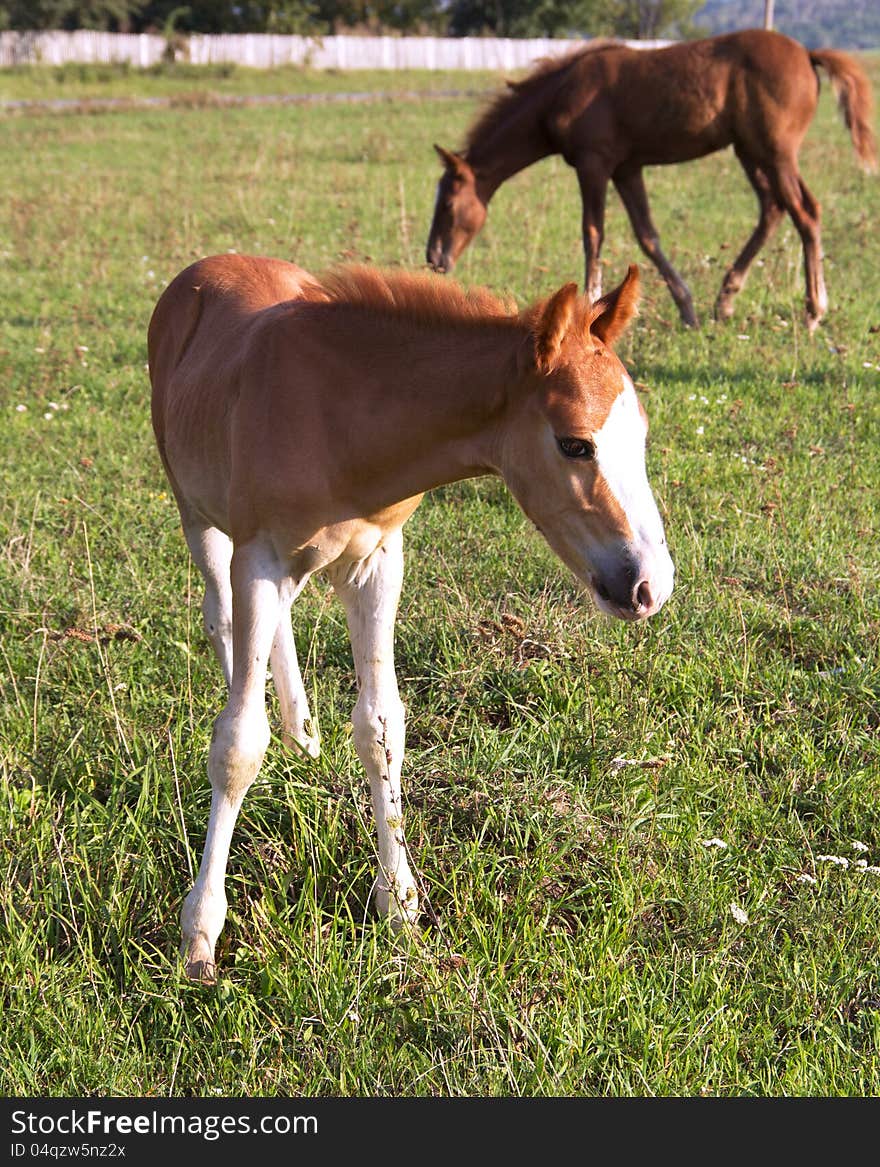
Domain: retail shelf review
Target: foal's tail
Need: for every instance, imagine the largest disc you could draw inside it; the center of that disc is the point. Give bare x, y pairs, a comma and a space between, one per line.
854, 97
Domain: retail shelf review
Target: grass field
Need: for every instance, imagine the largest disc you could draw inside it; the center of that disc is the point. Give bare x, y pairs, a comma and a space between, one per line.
569, 783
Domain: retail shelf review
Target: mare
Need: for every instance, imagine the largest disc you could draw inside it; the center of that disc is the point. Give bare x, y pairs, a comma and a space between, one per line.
300, 421
611, 110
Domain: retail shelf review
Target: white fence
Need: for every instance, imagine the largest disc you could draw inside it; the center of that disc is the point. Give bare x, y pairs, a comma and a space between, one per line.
263, 51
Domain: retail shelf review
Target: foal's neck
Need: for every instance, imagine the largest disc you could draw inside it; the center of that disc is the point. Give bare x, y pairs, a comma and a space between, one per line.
452, 386
509, 142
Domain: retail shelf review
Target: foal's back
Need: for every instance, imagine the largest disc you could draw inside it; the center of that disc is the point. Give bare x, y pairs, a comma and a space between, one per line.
198, 342
754, 89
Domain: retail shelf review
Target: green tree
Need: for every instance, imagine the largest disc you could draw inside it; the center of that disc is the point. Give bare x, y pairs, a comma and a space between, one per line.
106, 15
520, 18
652, 19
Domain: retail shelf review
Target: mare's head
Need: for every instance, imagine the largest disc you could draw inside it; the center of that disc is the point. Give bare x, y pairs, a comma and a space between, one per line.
459, 212
573, 453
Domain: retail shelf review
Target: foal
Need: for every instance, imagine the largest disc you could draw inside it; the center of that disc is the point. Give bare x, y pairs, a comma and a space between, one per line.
611, 110
300, 422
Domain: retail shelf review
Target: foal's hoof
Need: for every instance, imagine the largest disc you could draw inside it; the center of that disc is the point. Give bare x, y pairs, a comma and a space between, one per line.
303, 743
201, 972
723, 309
399, 906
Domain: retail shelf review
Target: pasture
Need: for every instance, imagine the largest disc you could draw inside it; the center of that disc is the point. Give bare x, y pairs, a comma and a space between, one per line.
650, 855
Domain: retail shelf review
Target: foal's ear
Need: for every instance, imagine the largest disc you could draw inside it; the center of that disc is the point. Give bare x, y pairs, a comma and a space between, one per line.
450, 160
610, 316
552, 325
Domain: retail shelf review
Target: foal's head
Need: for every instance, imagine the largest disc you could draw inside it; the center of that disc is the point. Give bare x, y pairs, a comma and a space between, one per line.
459, 212
574, 453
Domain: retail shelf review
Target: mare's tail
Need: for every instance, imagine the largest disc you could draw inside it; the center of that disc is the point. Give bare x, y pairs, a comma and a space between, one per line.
855, 99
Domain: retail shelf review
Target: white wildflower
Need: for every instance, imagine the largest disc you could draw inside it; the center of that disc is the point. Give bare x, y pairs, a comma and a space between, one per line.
20, 408
48, 416
861, 864
701, 429
715, 842
837, 860
804, 878
738, 914
857, 846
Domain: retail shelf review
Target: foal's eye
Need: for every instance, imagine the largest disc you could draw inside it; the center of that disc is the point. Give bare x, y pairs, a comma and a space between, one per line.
577, 448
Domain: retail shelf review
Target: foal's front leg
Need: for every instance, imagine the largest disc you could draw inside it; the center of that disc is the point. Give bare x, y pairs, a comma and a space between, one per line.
370, 596
238, 745
593, 181
630, 185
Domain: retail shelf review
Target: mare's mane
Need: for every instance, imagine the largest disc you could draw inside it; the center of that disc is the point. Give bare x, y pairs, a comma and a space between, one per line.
546, 70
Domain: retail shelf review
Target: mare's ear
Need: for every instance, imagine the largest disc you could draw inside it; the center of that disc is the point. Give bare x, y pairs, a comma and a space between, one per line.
552, 325
610, 316
450, 160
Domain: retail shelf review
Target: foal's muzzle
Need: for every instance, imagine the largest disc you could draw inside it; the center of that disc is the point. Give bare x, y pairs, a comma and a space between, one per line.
633, 593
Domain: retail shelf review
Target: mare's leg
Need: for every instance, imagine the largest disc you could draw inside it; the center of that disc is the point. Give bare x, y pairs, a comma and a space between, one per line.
593, 180
789, 188
370, 595
238, 744
212, 554
770, 215
296, 718
631, 188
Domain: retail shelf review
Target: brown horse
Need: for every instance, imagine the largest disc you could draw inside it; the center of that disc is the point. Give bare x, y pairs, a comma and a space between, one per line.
299, 422
610, 110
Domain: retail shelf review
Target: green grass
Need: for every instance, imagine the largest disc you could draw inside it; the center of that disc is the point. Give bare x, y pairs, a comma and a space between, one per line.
198, 84
563, 773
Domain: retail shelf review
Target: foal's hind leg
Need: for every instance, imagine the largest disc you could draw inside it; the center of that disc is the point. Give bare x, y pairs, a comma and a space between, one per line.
770, 216
238, 744
295, 715
370, 595
631, 188
790, 190
212, 554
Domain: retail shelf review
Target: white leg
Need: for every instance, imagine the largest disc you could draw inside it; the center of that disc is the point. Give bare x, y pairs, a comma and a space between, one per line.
370, 596
299, 730
238, 744
212, 554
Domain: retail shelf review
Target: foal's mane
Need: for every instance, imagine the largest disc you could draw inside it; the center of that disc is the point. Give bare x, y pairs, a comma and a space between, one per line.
546, 70
416, 296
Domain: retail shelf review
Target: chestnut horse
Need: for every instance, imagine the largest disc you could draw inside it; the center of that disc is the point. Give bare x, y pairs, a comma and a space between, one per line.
300, 421
610, 110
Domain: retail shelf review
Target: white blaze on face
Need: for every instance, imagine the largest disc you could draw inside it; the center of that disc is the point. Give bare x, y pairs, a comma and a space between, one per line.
620, 457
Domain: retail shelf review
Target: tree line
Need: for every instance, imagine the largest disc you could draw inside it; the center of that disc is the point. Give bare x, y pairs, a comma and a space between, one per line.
817, 23
643, 19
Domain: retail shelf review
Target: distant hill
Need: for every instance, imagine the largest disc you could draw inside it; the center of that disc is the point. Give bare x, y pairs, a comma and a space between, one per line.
818, 24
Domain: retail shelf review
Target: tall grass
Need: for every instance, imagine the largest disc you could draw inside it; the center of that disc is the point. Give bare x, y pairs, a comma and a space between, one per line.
650, 854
